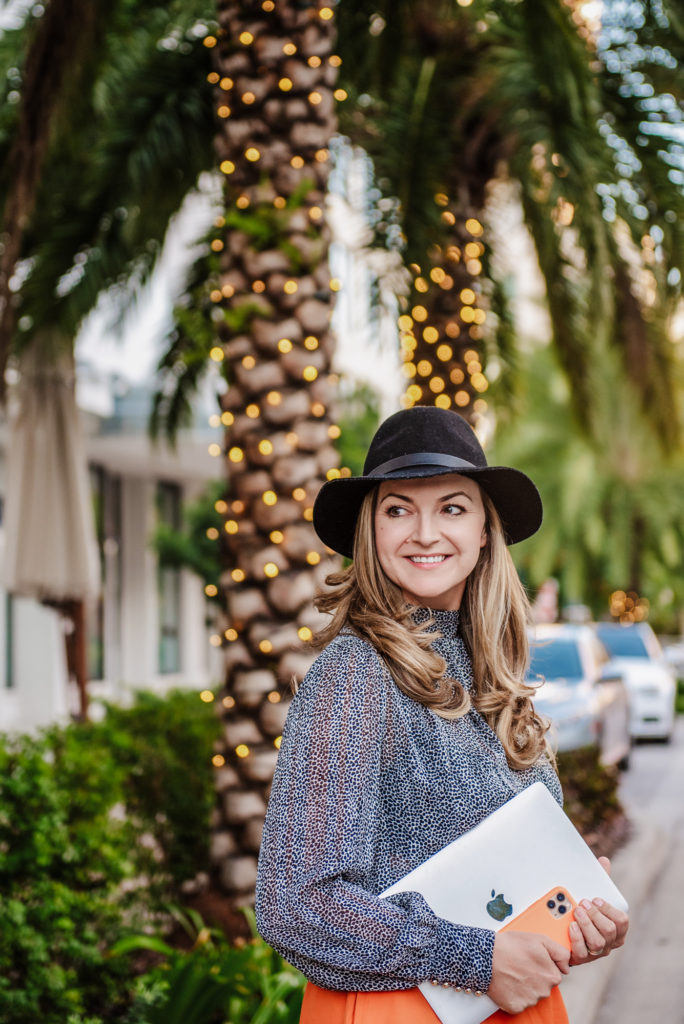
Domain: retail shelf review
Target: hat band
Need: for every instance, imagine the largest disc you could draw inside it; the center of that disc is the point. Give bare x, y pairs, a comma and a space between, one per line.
421, 459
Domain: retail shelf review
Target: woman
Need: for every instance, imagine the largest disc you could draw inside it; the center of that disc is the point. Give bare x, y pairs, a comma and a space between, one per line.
412, 726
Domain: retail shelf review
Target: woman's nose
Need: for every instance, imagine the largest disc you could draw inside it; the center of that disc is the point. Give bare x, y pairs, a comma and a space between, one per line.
425, 530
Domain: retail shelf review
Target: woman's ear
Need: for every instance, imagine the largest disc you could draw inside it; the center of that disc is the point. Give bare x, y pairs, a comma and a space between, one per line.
484, 537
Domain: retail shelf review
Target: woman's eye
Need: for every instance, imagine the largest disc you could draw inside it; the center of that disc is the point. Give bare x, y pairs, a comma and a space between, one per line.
395, 510
453, 510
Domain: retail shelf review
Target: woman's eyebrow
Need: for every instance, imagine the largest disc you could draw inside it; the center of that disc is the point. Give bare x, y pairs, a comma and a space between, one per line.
446, 497
400, 497
456, 494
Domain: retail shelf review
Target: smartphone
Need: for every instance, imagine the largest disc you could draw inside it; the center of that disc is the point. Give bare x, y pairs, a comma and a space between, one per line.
550, 915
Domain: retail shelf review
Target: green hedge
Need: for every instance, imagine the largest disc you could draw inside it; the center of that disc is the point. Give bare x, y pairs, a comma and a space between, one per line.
590, 790
216, 981
680, 697
99, 825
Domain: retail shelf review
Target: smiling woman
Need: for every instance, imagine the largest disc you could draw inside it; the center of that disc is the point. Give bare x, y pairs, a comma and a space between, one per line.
413, 725
428, 534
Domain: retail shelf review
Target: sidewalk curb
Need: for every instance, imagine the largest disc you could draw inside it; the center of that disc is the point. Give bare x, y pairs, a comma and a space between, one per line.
634, 869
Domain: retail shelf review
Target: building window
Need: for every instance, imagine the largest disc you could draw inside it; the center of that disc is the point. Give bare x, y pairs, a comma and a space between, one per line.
169, 583
103, 614
6, 626
8, 631
95, 611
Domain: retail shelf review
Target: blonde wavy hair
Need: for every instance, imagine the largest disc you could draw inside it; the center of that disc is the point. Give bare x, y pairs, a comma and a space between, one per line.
494, 616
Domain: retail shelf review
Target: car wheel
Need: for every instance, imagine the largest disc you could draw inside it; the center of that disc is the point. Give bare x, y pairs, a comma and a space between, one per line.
624, 762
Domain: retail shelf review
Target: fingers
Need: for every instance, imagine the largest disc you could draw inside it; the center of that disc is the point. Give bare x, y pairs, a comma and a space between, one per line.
525, 968
605, 864
619, 918
581, 952
597, 929
608, 920
559, 954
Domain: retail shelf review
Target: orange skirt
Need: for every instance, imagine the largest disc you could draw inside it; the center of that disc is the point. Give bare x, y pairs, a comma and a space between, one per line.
323, 1006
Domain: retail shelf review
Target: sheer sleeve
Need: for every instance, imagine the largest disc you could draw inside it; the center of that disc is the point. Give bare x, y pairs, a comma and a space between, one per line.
322, 834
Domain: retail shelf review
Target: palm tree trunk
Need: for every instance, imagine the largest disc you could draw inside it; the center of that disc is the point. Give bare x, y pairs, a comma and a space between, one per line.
74, 611
274, 76
441, 334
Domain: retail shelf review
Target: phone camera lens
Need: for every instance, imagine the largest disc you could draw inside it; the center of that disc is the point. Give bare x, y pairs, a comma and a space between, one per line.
550, 904
560, 896
562, 909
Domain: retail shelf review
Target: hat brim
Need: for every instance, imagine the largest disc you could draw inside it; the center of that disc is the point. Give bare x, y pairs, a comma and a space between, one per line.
513, 494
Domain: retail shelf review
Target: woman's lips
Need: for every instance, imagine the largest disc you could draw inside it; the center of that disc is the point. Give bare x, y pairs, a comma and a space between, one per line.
426, 561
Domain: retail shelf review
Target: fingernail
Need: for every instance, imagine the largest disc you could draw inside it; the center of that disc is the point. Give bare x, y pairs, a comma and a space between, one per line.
574, 930
586, 904
598, 902
581, 914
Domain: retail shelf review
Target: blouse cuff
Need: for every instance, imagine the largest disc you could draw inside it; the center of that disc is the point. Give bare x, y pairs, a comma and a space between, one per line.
462, 957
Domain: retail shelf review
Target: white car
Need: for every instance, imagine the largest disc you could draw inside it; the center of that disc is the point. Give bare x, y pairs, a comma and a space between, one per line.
636, 653
580, 692
674, 656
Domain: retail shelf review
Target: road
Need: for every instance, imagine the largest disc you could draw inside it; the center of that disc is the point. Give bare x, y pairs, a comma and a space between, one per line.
647, 985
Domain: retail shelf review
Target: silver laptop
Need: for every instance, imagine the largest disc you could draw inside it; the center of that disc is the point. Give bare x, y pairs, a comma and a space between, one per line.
492, 874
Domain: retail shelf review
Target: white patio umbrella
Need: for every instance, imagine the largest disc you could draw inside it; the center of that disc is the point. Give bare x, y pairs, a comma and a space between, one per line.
50, 543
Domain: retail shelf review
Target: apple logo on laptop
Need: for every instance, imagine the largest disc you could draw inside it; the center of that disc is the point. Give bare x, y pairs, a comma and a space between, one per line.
498, 908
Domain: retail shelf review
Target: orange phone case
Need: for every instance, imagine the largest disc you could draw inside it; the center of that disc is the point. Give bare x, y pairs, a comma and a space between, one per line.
546, 916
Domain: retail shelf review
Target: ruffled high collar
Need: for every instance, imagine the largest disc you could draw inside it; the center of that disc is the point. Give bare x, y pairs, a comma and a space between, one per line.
446, 622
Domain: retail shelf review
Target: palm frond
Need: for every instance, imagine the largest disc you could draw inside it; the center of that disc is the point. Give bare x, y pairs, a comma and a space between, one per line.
595, 492
12, 47
186, 360
152, 136
523, 87
64, 45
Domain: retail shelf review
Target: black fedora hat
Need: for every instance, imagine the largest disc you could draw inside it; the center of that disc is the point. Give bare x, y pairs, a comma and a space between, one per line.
419, 442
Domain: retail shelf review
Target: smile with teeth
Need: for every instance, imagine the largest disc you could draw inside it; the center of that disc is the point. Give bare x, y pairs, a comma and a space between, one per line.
426, 559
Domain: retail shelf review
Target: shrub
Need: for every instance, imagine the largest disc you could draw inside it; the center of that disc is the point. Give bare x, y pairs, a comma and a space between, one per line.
590, 790
164, 747
215, 981
62, 860
680, 697
98, 824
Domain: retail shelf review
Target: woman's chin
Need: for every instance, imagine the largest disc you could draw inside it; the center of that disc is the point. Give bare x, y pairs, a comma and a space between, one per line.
433, 598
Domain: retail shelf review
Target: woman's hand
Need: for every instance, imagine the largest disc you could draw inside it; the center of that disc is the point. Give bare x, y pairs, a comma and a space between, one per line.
598, 928
525, 968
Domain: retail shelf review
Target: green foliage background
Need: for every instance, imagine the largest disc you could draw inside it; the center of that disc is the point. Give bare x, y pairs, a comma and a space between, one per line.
612, 507
99, 826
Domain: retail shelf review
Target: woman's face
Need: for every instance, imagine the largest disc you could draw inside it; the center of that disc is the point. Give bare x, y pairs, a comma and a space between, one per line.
428, 534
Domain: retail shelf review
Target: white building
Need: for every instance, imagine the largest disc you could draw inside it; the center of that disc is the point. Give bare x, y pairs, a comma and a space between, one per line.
149, 627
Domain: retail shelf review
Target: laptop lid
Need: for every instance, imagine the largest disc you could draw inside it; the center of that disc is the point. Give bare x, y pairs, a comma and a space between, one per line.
495, 871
